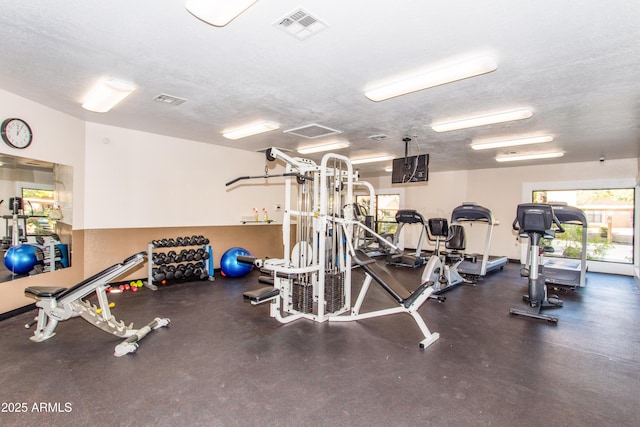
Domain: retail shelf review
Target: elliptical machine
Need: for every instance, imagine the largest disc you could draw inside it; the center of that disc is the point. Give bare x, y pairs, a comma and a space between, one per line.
441, 268
536, 221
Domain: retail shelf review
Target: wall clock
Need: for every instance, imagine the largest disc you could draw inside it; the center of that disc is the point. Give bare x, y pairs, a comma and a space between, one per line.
16, 133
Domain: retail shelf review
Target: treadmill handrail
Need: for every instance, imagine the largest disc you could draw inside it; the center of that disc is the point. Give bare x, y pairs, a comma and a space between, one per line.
472, 212
569, 214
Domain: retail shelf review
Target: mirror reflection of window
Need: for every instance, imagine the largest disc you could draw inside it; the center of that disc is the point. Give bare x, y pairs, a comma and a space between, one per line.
36, 234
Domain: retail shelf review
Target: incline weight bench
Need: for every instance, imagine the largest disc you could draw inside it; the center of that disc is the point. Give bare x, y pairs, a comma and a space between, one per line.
56, 304
409, 302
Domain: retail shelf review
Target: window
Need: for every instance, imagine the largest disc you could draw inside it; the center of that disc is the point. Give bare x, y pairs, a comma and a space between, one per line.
387, 206
38, 204
609, 213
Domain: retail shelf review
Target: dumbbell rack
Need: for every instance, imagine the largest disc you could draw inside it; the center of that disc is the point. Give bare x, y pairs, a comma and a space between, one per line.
177, 259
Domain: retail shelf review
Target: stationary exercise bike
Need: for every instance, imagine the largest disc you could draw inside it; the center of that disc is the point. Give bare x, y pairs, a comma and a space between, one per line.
536, 221
441, 268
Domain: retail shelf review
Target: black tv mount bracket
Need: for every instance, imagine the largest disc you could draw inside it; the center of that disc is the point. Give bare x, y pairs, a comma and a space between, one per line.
406, 141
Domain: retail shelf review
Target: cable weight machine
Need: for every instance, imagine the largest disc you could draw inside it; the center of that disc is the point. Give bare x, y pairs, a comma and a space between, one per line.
313, 279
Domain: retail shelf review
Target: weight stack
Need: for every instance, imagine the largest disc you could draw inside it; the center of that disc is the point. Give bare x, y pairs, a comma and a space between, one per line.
334, 291
302, 296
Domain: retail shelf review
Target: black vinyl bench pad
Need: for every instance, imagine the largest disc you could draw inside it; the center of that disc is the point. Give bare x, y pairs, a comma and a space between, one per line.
386, 280
43, 291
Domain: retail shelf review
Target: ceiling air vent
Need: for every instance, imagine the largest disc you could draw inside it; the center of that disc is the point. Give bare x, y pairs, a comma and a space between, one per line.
300, 24
312, 131
168, 99
379, 137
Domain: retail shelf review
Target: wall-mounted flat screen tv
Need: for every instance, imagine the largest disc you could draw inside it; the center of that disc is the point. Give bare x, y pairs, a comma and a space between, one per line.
410, 169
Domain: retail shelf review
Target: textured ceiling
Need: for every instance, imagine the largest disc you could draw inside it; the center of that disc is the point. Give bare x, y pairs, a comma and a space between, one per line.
575, 64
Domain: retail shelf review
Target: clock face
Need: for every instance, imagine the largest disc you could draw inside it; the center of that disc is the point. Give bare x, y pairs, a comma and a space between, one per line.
16, 133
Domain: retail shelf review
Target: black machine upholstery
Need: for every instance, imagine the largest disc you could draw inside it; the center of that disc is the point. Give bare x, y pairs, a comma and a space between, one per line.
535, 218
58, 292
386, 280
409, 216
438, 227
457, 239
54, 291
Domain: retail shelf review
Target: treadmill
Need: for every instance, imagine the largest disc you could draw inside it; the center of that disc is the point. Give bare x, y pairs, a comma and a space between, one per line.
569, 272
404, 217
478, 264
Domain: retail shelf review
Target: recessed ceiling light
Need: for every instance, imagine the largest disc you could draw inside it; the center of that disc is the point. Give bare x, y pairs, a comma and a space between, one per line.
217, 12
371, 160
107, 94
325, 147
436, 77
535, 156
490, 119
485, 145
249, 130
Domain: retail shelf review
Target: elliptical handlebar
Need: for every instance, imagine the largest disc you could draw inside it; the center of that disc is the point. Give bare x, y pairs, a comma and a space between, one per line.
558, 224
515, 225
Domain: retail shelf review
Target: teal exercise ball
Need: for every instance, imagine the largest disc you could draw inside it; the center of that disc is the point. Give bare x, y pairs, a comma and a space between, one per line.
21, 259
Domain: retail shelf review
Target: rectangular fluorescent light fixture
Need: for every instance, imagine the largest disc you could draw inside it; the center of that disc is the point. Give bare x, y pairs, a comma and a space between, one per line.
253, 129
325, 147
536, 156
440, 76
371, 160
107, 94
217, 12
486, 145
470, 122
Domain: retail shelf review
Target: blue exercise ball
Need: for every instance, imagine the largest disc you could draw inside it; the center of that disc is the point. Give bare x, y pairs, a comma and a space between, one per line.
229, 264
21, 259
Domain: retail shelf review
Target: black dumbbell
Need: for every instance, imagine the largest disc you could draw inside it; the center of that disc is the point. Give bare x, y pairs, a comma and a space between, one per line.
157, 275
170, 272
159, 258
188, 271
197, 272
179, 273
171, 257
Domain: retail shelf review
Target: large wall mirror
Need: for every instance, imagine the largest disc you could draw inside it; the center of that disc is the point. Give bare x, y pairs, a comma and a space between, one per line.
35, 216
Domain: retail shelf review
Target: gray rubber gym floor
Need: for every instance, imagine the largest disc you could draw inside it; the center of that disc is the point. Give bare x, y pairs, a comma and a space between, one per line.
223, 362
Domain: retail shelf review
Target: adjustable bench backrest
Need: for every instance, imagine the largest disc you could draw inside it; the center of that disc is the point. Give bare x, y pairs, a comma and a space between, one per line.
386, 280
90, 283
50, 291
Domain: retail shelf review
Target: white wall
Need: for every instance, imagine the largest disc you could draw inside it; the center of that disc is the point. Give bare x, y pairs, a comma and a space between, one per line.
57, 138
500, 190
137, 179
